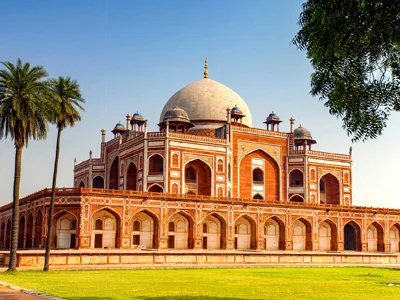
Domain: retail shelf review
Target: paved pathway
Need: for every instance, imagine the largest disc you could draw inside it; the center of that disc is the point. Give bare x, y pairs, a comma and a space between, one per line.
10, 294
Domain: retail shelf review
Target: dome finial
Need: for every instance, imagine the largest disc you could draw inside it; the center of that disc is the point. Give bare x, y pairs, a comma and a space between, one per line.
206, 68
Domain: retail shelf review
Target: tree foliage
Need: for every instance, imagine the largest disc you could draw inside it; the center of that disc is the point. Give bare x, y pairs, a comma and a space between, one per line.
26, 107
354, 47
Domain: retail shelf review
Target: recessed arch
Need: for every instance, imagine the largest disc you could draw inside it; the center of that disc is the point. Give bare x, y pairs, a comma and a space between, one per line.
198, 177
37, 241
156, 164
258, 196
147, 233
2, 234
327, 235
29, 231
271, 184
258, 176
131, 177
21, 232
82, 184
66, 230
98, 182
375, 238
155, 188
109, 235
245, 233
214, 231
8, 234
274, 234
352, 236
394, 237
114, 174
296, 198
302, 235
180, 231
329, 189
296, 178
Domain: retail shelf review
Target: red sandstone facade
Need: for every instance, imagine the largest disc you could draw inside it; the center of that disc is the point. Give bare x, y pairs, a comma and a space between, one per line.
207, 184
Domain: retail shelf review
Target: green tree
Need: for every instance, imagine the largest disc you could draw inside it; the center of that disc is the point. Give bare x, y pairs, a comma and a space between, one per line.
68, 100
354, 47
25, 110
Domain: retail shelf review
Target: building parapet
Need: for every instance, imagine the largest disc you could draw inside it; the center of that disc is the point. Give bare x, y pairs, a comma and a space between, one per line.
197, 198
320, 154
196, 137
260, 131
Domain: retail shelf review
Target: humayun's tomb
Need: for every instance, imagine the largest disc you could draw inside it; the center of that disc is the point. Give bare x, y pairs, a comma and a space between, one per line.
208, 187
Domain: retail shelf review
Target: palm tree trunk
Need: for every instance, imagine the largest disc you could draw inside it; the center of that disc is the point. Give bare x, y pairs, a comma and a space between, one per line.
12, 267
53, 195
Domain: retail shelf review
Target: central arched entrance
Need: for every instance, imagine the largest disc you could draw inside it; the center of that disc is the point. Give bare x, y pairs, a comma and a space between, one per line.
352, 237
198, 178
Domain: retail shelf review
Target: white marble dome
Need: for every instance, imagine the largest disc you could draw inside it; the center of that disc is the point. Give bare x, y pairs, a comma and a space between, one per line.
207, 100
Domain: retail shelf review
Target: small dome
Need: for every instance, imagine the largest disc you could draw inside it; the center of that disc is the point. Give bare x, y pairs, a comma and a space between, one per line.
272, 114
236, 111
176, 114
119, 126
137, 117
302, 133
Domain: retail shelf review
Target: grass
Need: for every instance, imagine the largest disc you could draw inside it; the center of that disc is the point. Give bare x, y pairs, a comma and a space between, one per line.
240, 283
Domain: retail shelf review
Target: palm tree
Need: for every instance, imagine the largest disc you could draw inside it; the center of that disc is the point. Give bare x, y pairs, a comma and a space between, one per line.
25, 110
68, 99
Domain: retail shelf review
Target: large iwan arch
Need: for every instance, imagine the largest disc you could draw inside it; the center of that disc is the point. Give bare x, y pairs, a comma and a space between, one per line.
329, 189
271, 181
198, 179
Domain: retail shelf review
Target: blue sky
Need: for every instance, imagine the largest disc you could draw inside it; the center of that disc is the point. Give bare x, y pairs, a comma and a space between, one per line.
132, 56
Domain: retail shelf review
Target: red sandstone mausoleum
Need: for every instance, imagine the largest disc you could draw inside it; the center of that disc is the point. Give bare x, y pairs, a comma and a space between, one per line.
209, 180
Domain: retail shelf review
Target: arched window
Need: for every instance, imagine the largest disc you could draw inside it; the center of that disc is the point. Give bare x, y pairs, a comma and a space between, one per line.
204, 228
156, 165
99, 224
296, 178
175, 160
73, 224
220, 166
258, 197
171, 227
312, 174
258, 177
81, 184
136, 226
98, 182
174, 189
190, 175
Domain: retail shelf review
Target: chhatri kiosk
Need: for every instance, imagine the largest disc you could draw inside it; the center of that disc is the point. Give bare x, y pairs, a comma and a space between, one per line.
209, 180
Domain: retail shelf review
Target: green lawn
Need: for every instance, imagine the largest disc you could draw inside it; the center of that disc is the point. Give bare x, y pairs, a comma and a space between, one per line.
240, 283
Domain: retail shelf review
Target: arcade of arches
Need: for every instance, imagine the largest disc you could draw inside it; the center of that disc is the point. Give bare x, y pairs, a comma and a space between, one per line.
146, 231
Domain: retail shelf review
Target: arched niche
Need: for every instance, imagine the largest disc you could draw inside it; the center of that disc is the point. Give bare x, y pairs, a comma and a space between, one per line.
301, 233
105, 230
66, 231
329, 189
274, 234
98, 182
198, 178
114, 175
296, 198
245, 233
155, 188
394, 238
180, 232
327, 236
375, 238
29, 231
352, 236
214, 232
296, 178
131, 177
37, 241
156, 165
145, 230
21, 232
